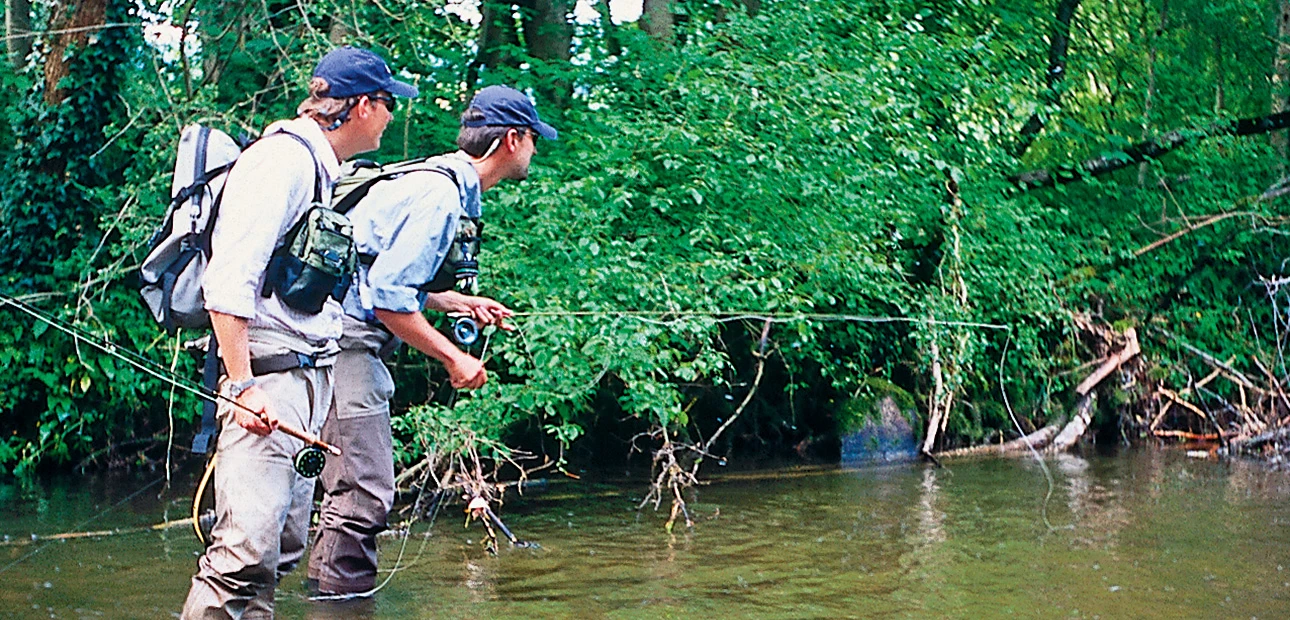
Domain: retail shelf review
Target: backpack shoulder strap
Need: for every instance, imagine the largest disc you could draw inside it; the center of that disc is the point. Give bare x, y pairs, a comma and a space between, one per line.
318, 173
357, 194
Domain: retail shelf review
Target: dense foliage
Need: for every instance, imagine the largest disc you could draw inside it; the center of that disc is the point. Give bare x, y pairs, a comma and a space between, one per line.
759, 161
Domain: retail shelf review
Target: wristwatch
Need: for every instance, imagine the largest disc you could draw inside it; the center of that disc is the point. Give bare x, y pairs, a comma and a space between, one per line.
235, 388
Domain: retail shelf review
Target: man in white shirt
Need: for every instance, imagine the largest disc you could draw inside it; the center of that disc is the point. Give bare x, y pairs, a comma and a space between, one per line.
262, 503
405, 229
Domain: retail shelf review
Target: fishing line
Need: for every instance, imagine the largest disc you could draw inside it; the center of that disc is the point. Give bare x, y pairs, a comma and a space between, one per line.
725, 316
425, 540
1043, 510
82, 524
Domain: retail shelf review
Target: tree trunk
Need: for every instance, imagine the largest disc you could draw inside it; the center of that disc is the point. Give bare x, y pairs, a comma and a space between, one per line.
1151, 85
945, 374
497, 33
934, 413
222, 31
608, 29
657, 20
338, 32
1059, 43
1281, 72
548, 34
548, 31
73, 22
17, 28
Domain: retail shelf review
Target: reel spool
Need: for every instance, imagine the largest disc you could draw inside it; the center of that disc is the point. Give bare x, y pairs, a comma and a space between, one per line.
465, 331
309, 461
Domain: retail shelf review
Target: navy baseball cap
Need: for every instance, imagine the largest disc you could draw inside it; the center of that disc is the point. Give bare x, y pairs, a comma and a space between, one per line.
351, 71
503, 105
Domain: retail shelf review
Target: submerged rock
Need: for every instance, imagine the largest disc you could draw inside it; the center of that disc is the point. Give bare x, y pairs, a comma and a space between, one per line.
879, 427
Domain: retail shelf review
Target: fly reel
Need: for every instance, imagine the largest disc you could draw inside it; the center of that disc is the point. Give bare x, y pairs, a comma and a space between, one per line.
309, 461
465, 331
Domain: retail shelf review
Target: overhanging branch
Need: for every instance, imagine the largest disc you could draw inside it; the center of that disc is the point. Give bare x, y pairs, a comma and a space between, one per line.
1150, 149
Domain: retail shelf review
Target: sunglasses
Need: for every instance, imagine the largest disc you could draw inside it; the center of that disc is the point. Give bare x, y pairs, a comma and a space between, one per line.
388, 100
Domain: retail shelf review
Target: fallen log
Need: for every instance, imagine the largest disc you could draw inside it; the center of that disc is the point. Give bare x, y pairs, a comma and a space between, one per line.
1078, 424
1149, 149
1242, 444
1188, 435
1036, 440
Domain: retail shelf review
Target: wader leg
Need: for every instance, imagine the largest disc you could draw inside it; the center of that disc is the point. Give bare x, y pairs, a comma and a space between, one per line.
262, 503
358, 488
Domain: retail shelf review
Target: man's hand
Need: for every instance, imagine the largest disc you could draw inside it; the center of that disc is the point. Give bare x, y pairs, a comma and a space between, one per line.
230, 331
489, 312
483, 309
466, 372
264, 421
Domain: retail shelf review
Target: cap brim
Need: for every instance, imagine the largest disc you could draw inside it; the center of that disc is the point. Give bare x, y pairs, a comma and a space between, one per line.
545, 130
401, 89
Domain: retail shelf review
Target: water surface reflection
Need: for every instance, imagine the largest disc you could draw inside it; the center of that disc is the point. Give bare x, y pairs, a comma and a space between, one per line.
1143, 534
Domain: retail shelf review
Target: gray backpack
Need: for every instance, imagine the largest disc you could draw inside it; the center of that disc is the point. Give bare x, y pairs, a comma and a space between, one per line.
315, 261
170, 278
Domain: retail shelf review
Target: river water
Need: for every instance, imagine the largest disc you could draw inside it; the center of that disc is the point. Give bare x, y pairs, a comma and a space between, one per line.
1142, 534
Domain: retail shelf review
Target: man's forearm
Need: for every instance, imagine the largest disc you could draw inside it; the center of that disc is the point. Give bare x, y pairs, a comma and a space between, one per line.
447, 301
416, 331
231, 332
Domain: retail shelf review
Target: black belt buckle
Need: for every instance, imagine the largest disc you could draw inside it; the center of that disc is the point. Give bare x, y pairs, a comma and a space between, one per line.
307, 361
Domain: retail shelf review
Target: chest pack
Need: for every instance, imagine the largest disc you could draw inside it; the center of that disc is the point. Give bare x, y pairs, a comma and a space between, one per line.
460, 268
316, 258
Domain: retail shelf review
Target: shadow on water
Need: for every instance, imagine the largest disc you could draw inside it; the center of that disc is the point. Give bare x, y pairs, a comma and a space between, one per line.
1146, 533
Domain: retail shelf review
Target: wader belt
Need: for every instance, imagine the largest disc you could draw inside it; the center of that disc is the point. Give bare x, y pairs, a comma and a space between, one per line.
213, 368
288, 361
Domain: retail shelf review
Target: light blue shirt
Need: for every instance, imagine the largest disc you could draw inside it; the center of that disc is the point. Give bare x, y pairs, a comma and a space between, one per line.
409, 224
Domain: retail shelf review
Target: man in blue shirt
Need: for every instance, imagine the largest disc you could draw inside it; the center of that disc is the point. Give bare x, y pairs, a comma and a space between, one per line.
405, 227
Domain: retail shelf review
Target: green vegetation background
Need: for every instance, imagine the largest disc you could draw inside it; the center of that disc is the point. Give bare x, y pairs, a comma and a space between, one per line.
764, 158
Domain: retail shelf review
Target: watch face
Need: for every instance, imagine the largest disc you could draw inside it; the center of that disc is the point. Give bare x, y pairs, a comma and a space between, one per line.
236, 388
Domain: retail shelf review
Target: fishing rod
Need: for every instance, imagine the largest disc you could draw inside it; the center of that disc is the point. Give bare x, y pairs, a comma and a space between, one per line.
153, 370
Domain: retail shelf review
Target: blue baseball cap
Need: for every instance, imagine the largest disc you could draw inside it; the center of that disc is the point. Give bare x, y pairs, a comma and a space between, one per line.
351, 71
503, 105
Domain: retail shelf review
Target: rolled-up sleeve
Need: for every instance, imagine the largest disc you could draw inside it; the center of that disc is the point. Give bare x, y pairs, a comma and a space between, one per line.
270, 180
420, 233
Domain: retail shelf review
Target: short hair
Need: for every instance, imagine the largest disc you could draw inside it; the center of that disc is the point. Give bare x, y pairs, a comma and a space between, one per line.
323, 109
476, 141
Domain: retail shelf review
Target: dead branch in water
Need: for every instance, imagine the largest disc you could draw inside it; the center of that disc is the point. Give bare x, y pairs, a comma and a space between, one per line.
670, 477
1188, 435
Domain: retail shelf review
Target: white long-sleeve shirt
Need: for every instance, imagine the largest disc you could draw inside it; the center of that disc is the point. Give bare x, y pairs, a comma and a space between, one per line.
268, 190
